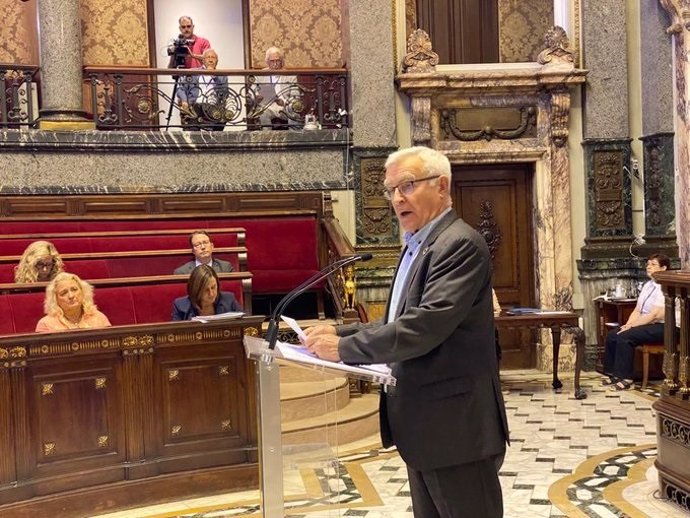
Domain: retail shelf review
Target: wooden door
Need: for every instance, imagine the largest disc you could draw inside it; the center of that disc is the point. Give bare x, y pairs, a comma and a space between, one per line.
497, 201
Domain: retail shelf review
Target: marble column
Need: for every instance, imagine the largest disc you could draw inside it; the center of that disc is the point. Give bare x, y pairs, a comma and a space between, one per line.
680, 30
371, 61
61, 66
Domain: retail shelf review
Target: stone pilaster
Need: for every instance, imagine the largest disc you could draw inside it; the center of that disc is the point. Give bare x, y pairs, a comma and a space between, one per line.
61, 66
660, 235
370, 26
680, 30
376, 228
609, 210
605, 51
656, 64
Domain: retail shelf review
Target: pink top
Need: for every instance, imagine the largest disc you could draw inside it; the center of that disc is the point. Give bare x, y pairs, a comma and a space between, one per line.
52, 323
198, 46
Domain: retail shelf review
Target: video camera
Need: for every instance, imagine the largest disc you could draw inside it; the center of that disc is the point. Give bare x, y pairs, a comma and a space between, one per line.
179, 49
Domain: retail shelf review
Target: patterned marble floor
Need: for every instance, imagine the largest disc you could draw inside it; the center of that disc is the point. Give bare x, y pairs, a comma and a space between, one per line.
574, 458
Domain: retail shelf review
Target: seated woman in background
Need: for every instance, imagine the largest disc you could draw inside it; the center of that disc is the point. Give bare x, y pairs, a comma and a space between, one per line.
204, 296
40, 262
69, 305
645, 325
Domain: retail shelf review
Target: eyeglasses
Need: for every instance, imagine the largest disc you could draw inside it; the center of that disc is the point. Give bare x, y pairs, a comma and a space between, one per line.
201, 244
406, 188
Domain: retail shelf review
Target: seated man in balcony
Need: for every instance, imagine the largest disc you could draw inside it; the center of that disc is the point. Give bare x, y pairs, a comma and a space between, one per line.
276, 99
202, 98
202, 248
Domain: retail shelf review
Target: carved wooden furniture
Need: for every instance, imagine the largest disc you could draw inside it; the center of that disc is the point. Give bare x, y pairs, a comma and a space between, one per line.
556, 322
610, 312
96, 420
673, 406
648, 350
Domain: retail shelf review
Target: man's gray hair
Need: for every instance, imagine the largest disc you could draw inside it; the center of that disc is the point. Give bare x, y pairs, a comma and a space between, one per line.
434, 162
185, 17
275, 50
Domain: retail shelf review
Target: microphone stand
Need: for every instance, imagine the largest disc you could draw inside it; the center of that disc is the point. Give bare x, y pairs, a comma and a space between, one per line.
272, 332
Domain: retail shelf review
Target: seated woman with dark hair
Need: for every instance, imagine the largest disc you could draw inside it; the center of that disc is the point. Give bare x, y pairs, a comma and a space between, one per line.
645, 325
204, 296
69, 305
40, 262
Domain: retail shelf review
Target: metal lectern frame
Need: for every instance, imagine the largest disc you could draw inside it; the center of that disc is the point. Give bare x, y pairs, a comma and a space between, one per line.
269, 412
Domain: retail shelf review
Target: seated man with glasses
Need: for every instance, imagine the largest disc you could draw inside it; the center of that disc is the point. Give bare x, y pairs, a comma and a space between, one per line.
202, 248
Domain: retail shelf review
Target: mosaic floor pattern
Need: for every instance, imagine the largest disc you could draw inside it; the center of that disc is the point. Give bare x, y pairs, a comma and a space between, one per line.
575, 458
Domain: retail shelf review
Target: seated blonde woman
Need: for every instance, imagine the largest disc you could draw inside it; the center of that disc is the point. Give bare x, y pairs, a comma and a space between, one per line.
69, 305
204, 296
40, 262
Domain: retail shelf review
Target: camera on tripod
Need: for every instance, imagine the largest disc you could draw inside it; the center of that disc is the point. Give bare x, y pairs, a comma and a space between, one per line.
179, 49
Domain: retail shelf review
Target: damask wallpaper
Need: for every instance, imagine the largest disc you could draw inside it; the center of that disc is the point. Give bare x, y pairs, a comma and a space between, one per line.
522, 25
309, 31
18, 32
114, 33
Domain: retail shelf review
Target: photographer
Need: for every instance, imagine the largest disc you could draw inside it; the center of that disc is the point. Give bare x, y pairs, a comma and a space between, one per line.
187, 50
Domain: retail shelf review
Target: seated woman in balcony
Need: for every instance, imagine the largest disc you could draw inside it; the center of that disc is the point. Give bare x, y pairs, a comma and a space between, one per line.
69, 305
645, 325
204, 296
40, 262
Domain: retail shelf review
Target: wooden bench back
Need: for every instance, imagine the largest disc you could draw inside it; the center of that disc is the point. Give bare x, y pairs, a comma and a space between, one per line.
98, 265
125, 300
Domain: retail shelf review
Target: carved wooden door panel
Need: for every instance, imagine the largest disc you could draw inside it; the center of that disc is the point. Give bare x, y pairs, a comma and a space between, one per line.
497, 201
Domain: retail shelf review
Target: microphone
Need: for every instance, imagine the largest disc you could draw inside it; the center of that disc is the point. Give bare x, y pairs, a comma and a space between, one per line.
272, 332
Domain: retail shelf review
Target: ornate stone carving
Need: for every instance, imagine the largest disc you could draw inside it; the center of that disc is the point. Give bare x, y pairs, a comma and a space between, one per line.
560, 110
449, 125
653, 184
680, 15
421, 120
420, 57
557, 48
608, 182
376, 211
488, 227
675, 431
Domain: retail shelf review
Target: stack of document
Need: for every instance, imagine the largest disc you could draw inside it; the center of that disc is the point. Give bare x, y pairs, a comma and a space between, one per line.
219, 316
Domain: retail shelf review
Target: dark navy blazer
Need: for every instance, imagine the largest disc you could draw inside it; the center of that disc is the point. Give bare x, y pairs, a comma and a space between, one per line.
183, 309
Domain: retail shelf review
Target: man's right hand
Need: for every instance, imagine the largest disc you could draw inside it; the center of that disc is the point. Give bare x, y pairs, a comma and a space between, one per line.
321, 329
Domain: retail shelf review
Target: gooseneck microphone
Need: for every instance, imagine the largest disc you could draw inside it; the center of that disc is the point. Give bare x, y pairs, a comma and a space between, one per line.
272, 332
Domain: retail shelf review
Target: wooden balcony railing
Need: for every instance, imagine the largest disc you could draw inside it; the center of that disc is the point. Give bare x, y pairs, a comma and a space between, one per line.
137, 98
676, 286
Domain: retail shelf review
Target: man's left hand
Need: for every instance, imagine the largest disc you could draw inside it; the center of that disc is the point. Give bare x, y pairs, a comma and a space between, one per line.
324, 346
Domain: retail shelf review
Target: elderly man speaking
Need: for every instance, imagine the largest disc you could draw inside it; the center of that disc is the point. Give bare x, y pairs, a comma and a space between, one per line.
446, 414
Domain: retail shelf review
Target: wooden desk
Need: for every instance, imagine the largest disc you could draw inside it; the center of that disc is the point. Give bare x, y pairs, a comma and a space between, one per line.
556, 322
610, 311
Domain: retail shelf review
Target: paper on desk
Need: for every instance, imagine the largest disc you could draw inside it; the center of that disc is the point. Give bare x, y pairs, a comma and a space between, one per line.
295, 327
300, 354
219, 316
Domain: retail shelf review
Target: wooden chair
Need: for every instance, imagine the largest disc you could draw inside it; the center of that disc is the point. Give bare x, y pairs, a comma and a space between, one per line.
648, 349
